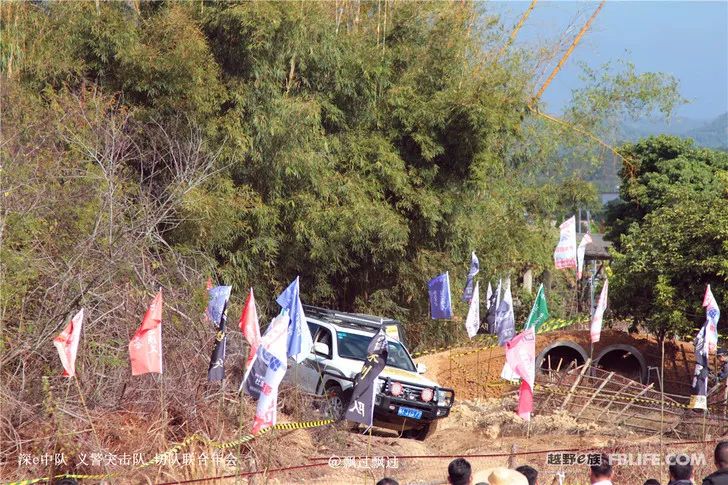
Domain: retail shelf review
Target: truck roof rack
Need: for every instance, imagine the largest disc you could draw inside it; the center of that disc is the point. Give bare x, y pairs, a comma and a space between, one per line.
361, 319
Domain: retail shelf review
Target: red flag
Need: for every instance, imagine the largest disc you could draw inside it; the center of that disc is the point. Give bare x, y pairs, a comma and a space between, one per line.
145, 348
521, 358
250, 327
67, 344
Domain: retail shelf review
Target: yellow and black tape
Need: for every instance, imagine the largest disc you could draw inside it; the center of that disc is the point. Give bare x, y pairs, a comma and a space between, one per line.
184, 444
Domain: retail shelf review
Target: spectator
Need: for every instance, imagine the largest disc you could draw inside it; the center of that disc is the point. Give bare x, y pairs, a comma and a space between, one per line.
720, 477
530, 473
389, 481
459, 472
680, 469
601, 474
651, 481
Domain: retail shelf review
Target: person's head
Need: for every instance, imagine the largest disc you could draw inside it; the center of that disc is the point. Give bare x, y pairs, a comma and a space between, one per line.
389, 481
529, 472
680, 467
459, 472
601, 471
651, 481
721, 455
722, 355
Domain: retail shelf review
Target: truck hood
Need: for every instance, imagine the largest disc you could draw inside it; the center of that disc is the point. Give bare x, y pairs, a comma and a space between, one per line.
353, 367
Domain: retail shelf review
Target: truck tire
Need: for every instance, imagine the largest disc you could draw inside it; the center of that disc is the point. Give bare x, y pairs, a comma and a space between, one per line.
421, 434
337, 401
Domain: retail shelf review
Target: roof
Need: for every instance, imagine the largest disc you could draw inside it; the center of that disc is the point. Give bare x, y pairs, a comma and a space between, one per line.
598, 249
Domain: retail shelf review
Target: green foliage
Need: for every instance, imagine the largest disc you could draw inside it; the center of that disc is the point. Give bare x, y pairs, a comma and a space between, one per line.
671, 234
364, 151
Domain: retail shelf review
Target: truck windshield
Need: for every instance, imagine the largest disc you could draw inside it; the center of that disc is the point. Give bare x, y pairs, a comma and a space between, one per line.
353, 346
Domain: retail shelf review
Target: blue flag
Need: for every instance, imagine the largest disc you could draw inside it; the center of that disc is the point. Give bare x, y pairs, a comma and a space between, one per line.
505, 323
299, 336
217, 298
474, 268
440, 303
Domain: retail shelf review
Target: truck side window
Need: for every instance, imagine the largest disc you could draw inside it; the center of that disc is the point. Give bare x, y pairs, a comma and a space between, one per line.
324, 336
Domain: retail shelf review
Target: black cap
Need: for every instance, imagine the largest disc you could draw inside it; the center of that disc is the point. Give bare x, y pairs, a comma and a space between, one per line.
722, 352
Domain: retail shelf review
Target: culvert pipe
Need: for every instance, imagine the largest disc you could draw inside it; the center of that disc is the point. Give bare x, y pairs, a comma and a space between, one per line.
624, 360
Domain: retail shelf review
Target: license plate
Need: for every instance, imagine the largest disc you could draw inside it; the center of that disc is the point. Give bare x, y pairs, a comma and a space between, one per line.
409, 412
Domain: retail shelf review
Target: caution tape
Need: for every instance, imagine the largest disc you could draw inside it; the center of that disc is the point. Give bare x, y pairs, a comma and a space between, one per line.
196, 437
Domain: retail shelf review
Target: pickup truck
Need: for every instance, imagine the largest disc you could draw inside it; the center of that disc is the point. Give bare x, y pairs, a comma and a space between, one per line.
406, 401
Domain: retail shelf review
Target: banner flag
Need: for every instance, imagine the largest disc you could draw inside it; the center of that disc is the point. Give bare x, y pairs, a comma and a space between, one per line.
596, 323
565, 253
145, 348
266, 372
521, 362
300, 342
699, 399
580, 252
361, 406
488, 295
712, 314
217, 297
67, 344
493, 301
474, 269
472, 322
539, 311
250, 327
440, 302
505, 322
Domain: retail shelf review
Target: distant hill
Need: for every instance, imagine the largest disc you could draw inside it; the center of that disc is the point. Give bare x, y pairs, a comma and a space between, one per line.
706, 133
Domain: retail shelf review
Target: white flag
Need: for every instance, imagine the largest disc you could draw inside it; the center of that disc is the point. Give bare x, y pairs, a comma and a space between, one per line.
580, 251
498, 295
565, 253
712, 314
596, 323
472, 322
488, 295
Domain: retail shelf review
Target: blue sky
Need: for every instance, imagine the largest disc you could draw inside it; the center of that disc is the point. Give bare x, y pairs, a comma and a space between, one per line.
688, 39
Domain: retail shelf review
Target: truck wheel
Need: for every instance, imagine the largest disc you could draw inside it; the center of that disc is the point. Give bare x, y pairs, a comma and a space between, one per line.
337, 401
421, 434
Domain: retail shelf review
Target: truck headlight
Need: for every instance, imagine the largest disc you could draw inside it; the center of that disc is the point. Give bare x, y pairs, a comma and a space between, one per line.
444, 398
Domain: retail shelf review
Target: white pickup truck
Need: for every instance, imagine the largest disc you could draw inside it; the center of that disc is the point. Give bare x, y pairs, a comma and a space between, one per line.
406, 401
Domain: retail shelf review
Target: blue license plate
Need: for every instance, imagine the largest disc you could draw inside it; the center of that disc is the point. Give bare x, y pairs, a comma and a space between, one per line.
409, 412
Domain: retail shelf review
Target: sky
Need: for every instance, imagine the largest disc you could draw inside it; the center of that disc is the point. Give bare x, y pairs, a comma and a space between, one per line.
688, 39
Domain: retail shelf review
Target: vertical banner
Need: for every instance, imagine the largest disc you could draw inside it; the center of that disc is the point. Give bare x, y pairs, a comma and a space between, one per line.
580, 252
145, 348
300, 342
67, 344
440, 302
521, 361
250, 327
712, 314
539, 311
217, 311
699, 398
472, 322
474, 269
596, 324
361, 406
565, 253
266, 372
505, 322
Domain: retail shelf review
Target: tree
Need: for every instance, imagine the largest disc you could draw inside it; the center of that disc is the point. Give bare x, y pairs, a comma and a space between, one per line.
670, 231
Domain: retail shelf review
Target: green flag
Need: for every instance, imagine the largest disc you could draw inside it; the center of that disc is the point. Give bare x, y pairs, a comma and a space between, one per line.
539, 312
